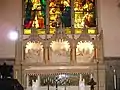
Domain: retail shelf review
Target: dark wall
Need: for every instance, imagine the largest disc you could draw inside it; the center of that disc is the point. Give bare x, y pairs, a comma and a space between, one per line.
6, 67
112, 63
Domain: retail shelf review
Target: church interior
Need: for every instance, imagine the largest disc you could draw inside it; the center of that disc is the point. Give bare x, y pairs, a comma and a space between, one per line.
60, 46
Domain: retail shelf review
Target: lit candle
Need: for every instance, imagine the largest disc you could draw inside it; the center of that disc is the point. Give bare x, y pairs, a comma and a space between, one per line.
39, 79
80, 77
84, 81
27, 80
91, 76
115, 86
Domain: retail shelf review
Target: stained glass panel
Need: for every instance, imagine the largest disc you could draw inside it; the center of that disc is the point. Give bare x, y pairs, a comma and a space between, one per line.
35, 14
84, 13
60, 9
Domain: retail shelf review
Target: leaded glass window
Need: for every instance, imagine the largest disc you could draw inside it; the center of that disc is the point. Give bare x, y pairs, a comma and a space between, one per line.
35, 14
59, 9
84, 14
44, 15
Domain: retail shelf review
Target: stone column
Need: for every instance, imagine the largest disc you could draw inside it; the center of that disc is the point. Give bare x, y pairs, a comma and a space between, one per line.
102, 81
18, 60
73, 54
27, 80
16, 74
99, 76
46, 53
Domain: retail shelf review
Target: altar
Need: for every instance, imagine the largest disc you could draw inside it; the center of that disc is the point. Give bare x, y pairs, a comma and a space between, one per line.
60, 46
60, 77
63, 81
43, 62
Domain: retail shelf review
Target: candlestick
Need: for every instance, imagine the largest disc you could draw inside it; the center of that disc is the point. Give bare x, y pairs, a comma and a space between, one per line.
80, 77
114, 77
91, 76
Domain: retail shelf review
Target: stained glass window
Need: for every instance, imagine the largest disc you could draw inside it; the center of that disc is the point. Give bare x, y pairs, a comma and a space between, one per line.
35, 15
75, 13
84, 14
59, 9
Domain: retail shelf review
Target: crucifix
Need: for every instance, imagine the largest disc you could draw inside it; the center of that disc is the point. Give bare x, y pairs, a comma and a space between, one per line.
92, 83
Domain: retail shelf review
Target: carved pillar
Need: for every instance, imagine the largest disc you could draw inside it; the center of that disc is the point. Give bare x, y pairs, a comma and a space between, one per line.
73, 54
27, 80
99, 76
18, 52
47, 17
18, 58
15, 74
72, 17
46, 53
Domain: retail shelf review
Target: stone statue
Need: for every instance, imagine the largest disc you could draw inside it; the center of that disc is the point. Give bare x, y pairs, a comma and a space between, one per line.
35, 85
81, 83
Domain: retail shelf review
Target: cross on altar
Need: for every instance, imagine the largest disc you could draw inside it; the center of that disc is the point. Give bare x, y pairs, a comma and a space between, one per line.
92, 83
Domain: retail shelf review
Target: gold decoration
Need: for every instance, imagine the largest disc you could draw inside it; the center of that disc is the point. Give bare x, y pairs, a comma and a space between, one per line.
33, 51
85, 49
60, 47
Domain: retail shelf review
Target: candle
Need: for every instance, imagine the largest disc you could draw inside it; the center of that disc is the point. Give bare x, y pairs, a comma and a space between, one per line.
27, 81
115, 85
91, 76
80, 77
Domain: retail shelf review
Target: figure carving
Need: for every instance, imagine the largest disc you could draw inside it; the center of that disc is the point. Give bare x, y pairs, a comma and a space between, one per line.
35, 85
33, 52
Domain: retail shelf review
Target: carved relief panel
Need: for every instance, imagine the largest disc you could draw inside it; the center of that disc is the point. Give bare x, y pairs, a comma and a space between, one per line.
84, 51
60, 51
33, 52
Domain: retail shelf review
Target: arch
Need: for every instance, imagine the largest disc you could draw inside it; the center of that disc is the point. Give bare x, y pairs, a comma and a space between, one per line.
33, 52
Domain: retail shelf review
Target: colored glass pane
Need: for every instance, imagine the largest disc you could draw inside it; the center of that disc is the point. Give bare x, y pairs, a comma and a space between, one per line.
84, 13
59, 9
35, 14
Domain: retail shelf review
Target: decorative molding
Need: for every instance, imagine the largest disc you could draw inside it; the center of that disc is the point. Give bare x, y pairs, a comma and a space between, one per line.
13, 59
111, 58
7, 59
